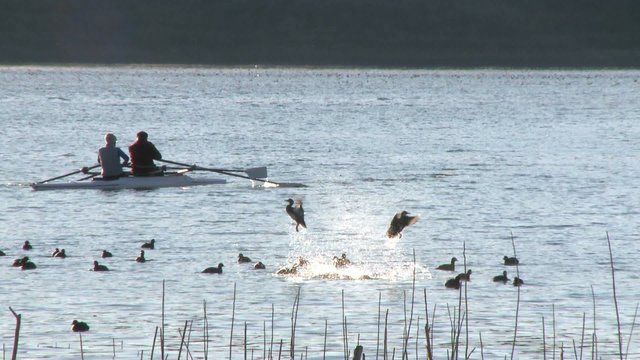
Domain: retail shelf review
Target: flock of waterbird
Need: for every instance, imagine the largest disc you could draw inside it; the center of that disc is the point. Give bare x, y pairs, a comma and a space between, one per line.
296, 212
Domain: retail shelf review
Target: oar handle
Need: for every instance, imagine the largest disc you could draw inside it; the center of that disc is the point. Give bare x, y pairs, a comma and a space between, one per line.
83, 170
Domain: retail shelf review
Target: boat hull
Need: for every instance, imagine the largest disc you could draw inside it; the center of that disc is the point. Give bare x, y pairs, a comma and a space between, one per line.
131, 182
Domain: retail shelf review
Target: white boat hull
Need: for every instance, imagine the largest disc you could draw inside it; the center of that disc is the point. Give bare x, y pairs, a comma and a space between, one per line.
132, 182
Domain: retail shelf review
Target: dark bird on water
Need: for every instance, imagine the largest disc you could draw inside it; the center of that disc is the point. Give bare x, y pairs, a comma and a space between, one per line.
79, 326
27, 246
517, 281
141, 258
465, 276
106, 254
400, 221
243, 259
60, 254
27, 265
55, 252
2, 253
511, 260
213, 269
501, 278
259, 266
19, 262
98, 267
149, 245
448, 267
453, 283
296, 213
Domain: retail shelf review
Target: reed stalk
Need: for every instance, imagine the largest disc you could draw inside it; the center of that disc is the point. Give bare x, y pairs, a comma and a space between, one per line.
515, 327
294, 320
384, 351
582, 334
481, 347
182, 335
16, 334
324, 344
378, 328
427, 329
272, 325
615, 298
153, 345
205, 330
162, 326
553, 313
233, 318
544, 341
594, 336
81, 347
633, 324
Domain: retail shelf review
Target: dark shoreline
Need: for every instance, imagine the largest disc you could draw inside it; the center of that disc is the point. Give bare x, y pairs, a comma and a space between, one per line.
538, 34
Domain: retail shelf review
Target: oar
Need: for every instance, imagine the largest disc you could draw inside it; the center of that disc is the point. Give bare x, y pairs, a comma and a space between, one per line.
254, 173
83, 170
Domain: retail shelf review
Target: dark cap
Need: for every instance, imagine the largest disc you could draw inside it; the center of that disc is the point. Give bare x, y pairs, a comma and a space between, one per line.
142, 135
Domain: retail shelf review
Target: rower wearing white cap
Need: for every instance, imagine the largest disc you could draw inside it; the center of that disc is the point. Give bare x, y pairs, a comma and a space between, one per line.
109, 157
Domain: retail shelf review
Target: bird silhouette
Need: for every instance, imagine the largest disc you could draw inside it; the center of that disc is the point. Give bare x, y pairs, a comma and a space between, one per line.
60, 254
27, 245
465, 276
259, 266
141, 258
149, 245
106, 254
453, 283
79, 326
448, 267
296, 213
517, 281
399, 222
98, 267
243, 259
511, 260
27, 265
501, 278
213, 269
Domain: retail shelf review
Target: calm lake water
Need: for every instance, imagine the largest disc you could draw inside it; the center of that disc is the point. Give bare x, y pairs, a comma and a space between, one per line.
545, 160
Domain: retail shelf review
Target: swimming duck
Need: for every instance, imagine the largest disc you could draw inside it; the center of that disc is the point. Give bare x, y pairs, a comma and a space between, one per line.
259, 266
453, 283
511, 260
2, 253
398, 223
296, 213
341, 261
19, 262
79, 326
465, 276
448, 267
243, 259
27, 265
517, 281
141, 258
106, 254
149, 245
27, 246
98, 267
60, 254
55, 252
501, 278
213, 270
287, 270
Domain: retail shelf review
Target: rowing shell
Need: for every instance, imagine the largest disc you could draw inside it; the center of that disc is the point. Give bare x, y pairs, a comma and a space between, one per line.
132, 182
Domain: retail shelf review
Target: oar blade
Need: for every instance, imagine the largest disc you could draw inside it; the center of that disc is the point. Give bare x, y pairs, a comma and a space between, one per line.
257, 172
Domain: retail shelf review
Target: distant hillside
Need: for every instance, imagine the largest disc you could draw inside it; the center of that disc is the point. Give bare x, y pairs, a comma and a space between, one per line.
411, 33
